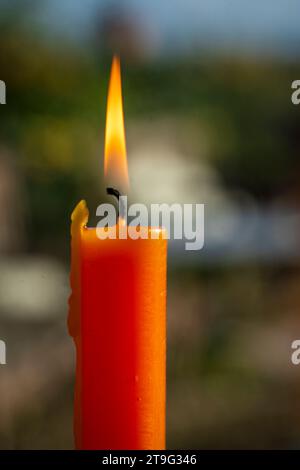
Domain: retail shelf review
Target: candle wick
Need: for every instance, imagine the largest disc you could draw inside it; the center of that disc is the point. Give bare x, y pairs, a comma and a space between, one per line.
121, 208
113, 192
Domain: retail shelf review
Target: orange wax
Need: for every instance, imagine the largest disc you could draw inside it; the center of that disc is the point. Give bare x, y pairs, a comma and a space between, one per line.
118, 320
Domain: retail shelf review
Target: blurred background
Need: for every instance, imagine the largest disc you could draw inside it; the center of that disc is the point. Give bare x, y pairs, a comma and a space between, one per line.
209, 119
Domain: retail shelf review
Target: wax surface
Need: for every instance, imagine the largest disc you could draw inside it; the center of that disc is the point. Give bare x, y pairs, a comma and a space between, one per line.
118, 320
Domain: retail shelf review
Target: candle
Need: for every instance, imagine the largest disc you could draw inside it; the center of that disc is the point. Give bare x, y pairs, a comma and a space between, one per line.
117, 318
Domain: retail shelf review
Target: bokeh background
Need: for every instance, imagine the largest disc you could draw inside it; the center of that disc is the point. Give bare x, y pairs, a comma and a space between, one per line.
209, 119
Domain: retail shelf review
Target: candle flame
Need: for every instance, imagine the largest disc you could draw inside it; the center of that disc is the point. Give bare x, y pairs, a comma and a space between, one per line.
115, 160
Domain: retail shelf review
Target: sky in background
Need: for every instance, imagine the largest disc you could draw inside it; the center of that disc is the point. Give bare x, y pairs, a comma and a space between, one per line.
258, 26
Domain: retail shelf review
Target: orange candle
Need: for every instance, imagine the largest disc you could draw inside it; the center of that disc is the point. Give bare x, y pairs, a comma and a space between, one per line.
117, 318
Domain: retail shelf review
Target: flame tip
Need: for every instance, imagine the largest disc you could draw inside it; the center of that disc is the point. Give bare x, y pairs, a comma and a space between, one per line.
115, 160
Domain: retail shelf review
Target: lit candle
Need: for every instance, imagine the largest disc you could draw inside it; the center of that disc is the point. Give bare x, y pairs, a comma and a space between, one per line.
117, 318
